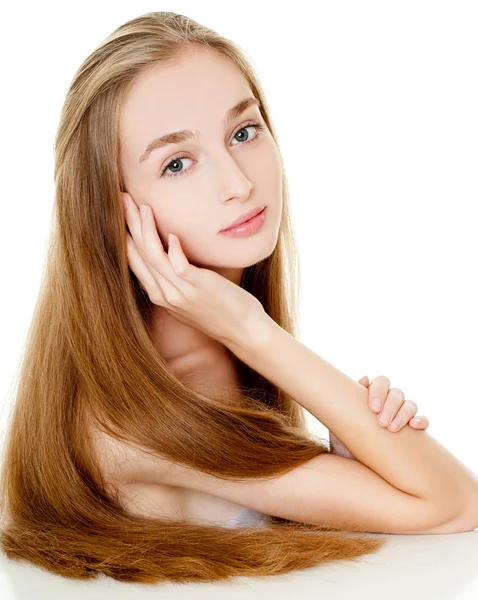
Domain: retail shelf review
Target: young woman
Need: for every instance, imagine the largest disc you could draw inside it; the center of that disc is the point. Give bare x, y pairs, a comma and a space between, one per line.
159, 430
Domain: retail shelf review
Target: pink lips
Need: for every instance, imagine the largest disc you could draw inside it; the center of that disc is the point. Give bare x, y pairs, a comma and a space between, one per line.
248, 227
245, 217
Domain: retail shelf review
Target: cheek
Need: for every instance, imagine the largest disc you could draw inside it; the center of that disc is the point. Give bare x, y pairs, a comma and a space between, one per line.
195, 229
266, 173
165, 222
267, 161
269, 183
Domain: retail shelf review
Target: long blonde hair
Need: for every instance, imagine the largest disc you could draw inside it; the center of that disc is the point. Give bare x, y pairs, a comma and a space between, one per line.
89, 352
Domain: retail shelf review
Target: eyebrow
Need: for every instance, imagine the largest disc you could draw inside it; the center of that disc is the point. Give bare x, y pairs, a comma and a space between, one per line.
180, 136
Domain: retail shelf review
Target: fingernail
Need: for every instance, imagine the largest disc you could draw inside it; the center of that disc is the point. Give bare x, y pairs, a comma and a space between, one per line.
377, 403
144, 211
384, 419
394, 425
125, 200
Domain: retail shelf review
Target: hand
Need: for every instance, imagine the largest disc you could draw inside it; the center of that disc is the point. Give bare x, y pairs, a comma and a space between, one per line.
394, 409
197, 297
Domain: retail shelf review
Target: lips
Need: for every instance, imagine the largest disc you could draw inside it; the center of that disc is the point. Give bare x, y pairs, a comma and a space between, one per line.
245, 217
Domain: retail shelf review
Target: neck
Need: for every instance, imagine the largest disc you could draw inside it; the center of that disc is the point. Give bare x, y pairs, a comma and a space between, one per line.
175, 340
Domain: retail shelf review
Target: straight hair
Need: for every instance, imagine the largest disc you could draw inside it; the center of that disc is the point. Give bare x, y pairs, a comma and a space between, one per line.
89, 352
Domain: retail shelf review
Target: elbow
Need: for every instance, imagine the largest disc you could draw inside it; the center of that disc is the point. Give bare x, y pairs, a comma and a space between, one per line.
466, 519
459, 525
466, 522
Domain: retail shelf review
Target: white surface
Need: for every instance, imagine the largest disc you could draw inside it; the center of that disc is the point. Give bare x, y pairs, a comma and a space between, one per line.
411, 567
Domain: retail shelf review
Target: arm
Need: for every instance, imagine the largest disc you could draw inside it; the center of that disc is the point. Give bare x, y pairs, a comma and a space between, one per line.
411, 461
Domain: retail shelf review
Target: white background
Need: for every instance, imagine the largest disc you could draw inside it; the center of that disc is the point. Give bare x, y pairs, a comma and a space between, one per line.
375, 106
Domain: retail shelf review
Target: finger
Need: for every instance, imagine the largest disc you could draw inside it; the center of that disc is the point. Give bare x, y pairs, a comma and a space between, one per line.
155, 255
419, 422
141, 271
176, 287
177, 257
377, 393
393, 404
406, 412
133, 221
364, 381
160, 290
189, 275
139, 229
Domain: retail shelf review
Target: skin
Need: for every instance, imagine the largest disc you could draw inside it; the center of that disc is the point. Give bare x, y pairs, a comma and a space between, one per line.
154, 269
224, 175
393, 409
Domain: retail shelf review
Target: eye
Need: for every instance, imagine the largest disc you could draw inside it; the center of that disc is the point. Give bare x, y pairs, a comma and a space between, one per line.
176, 161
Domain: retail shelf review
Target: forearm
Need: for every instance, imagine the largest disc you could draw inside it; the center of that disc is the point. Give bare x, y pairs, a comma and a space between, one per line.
410, 460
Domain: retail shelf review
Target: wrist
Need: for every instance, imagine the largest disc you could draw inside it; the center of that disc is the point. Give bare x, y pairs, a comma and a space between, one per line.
254, 334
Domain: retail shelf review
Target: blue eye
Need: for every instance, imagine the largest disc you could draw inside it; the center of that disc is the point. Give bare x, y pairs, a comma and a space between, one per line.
177, 159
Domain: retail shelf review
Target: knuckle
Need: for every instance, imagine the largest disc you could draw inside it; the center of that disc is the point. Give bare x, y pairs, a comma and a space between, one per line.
396, 393
410, 405
208, 277
176, 299
384, 418
183, 271
383, 379
190, 294
395, 426
156, 298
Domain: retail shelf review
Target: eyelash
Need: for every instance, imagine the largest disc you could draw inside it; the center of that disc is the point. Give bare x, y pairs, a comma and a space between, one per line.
259, 126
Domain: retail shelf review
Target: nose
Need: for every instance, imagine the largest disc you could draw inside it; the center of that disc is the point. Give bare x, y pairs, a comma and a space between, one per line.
235, 183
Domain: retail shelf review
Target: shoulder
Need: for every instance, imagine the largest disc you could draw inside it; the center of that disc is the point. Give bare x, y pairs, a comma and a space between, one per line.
122, 462
211, 371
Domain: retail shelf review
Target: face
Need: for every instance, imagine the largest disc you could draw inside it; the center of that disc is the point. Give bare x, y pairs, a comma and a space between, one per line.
199, 186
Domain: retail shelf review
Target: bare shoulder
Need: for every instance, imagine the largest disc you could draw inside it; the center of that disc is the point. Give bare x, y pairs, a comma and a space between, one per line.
127, 473
205, 371
121, 462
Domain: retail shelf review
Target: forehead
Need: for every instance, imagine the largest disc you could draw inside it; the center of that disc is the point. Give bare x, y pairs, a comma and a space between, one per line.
194, 92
